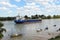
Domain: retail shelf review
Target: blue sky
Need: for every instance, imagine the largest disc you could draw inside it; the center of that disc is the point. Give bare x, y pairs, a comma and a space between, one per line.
29, 7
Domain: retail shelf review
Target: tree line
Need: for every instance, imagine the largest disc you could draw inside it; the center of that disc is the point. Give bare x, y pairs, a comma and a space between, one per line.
32, 17
6, 18
42, 16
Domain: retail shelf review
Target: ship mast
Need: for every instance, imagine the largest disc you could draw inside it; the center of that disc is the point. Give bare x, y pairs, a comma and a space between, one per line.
18, 12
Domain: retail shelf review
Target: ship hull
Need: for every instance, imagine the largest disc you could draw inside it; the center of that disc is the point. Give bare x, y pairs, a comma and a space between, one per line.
25, 21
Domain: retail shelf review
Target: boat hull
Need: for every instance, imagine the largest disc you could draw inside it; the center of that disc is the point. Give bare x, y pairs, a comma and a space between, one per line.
24, 21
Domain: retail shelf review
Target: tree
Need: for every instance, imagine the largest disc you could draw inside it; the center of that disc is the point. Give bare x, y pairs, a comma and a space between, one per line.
54, 16
36, 16
1, 30
32, 17
48, 17
42, 16
26, 17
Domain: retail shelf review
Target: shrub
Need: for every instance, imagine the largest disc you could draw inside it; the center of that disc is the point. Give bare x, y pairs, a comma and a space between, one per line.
1, 30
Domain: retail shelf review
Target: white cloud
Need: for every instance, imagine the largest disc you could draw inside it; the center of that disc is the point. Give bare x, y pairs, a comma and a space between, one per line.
49, 6
17, 0
32, 8
29, 9
3, 8
10, 11
28, 1
8, 4
4, 0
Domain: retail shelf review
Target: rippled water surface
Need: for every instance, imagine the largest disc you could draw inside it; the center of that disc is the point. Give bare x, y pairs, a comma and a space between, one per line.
29, 30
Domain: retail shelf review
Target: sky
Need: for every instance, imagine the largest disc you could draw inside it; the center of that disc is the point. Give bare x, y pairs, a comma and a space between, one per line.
29, 7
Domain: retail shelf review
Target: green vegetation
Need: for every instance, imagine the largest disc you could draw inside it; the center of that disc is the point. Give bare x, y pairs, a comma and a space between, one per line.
6, 18
42, 16
49, 17
32, 17
56, 38
56, 16
1, 30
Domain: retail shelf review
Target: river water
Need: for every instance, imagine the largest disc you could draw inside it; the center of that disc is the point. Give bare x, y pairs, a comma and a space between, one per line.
29, 30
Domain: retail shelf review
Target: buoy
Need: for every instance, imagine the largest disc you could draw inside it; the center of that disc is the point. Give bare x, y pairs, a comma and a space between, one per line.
59, 29
46, 28
55, 25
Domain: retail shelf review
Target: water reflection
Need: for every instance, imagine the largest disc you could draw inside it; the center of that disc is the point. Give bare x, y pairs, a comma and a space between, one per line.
19, 28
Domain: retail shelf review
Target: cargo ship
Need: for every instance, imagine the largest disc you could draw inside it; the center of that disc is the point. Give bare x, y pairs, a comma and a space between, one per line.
23, 20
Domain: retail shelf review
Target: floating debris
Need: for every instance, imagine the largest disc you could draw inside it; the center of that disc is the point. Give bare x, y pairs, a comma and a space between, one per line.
54, 25
39, 30
46, 28
58, 30
49, 33
15, 35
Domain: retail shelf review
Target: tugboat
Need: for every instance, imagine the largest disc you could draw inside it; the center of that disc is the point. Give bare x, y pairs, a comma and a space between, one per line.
23, 20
